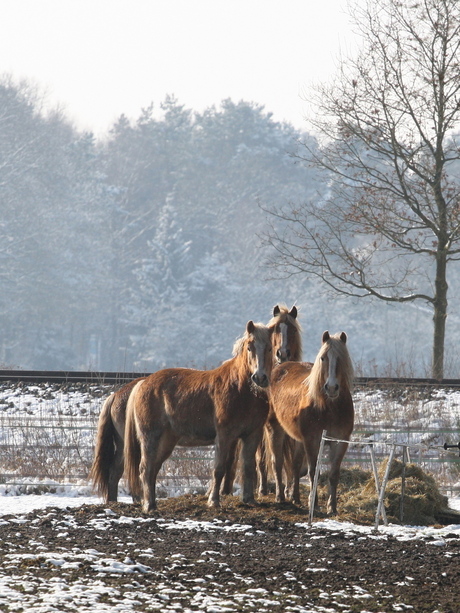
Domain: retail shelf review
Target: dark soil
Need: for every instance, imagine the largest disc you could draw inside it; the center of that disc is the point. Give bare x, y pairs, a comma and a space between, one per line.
302, 569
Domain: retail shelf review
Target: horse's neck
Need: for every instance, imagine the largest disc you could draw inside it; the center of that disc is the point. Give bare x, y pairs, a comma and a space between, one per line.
235, 369
296, 355
323, 402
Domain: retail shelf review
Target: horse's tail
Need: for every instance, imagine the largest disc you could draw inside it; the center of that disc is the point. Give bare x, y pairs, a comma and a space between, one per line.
104, 451
132, 449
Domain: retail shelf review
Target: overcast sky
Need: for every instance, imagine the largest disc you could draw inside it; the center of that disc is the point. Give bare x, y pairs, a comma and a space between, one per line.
102, 58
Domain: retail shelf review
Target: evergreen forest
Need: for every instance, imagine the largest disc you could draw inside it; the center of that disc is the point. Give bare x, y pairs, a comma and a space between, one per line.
145, 248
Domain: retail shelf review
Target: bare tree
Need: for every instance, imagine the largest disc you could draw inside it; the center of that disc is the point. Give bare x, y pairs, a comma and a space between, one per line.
389, 225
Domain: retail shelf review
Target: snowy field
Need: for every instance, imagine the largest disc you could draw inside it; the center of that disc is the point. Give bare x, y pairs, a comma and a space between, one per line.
95, 593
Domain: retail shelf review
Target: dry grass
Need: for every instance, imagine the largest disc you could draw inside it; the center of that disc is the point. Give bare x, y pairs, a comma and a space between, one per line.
423, 504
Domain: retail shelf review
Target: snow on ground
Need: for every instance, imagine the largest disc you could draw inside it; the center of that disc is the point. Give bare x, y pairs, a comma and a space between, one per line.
90, 596
25, 503
93, 594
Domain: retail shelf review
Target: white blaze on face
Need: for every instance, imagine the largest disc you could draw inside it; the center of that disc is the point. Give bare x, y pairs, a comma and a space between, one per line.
331, 386
260, 375
282, 353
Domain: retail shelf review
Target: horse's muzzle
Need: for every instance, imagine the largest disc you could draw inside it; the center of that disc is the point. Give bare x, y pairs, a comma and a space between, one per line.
332, 391
260, 381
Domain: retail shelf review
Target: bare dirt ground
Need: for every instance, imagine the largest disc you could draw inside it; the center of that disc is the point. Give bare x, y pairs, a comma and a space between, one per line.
238, 558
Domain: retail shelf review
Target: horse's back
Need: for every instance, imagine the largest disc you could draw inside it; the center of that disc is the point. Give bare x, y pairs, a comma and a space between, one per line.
179, 399
289, 374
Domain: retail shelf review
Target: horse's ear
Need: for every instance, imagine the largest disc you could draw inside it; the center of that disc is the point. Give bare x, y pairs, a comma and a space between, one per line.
293, 312
326, 336
250, 327
276, 310
343, 337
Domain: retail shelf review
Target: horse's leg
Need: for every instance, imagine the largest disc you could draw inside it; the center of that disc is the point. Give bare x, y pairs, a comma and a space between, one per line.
155, 449
275, 438
250, 445
336, 453
297, 462
223, 448
261, 464
230, 470
311, 447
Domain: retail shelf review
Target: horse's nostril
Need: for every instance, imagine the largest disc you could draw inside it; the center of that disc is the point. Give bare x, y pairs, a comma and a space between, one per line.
260, 381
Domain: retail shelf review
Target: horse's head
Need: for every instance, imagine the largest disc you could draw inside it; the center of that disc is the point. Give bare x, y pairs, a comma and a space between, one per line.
286, 336
259, 353
332, 370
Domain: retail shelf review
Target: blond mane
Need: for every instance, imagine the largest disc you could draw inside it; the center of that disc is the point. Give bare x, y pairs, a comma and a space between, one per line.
315, 380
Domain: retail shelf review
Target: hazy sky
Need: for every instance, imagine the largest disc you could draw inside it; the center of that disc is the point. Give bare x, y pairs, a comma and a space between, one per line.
101, 58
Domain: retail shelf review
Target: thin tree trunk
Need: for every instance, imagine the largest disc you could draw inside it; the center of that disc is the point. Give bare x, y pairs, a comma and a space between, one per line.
440, 315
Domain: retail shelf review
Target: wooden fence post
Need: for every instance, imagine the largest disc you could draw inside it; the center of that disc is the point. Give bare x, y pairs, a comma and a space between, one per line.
403, 483
377, 484
383, 488
315, 480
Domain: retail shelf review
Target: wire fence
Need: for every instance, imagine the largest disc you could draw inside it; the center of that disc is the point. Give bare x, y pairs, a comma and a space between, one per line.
59, 451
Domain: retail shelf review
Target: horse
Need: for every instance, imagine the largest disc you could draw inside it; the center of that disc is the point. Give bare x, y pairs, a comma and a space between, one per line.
286, 345
200, 407
306, 399
286, 336
107, 467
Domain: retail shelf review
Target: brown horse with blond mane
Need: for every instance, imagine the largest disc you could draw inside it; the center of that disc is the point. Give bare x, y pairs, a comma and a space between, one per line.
198, 407
306, 399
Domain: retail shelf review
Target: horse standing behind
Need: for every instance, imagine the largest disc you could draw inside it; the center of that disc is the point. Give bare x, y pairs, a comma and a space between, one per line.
305, 400
286, 345
286, 336
198, 407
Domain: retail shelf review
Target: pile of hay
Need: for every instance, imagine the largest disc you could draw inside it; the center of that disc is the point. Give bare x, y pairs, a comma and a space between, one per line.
423, 504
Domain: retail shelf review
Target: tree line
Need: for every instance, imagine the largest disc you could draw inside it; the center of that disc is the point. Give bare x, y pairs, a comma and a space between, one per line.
140, 250
153, 245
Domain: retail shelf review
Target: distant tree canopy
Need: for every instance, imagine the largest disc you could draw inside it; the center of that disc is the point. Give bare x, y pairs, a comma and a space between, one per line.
389, 225
143, 249
140, 250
